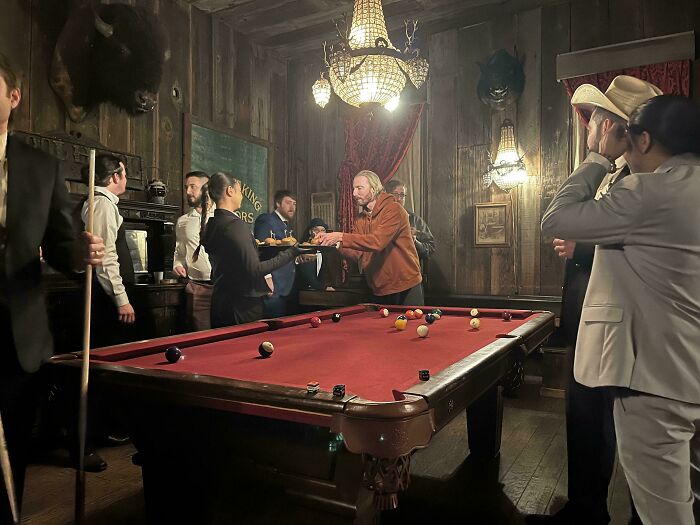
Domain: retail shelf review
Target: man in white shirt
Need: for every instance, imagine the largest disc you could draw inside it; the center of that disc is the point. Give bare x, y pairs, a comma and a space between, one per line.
117, 267
198, 273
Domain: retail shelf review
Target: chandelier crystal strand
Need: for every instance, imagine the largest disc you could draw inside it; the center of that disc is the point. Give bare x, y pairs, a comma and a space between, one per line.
368, 24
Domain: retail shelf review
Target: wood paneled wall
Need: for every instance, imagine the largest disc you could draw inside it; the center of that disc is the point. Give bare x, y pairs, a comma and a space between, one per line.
214, 73
459, 126
459, 130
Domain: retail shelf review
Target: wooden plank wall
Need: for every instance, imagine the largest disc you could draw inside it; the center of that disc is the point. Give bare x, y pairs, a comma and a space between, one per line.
459, 129
460, 125
214, 73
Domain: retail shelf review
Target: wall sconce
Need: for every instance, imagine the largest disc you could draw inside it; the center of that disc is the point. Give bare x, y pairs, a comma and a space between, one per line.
507, 170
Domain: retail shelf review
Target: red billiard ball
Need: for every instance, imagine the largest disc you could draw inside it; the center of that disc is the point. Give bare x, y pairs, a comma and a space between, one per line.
410, 314
315, 322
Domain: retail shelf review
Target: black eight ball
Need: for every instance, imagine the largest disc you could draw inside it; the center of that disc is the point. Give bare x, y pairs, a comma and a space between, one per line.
173, 354
430, 318
335, 318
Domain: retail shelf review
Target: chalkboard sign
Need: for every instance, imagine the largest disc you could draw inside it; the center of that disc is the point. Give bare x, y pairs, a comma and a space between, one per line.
210, 150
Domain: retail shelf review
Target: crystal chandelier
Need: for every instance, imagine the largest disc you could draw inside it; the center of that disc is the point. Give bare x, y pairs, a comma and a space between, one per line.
507, 170
364, 67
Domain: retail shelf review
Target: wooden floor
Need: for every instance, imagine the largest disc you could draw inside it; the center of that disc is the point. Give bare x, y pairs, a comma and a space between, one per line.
529, 477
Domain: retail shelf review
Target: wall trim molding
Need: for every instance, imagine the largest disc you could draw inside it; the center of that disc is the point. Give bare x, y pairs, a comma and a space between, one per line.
678, 46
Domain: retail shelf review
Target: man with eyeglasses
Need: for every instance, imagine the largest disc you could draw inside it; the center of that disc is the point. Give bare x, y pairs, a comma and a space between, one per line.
422, 236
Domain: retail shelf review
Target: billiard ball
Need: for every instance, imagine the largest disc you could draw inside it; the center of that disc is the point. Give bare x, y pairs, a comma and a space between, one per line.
266, 349
507, 316
418, 313
335, 318
474, 312
429, 318
315, 322
437, 316
410, 314
384, 312
400, 323
422, 331
475, 323
173, 354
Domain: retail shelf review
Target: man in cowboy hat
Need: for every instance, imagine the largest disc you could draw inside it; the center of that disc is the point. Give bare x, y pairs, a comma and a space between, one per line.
589, 416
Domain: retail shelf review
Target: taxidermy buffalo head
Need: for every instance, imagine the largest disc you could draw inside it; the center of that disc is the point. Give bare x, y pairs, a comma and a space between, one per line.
109, 53
502, 80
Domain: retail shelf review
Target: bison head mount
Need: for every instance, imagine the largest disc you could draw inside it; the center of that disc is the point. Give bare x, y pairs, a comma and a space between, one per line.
109, 53
502, 80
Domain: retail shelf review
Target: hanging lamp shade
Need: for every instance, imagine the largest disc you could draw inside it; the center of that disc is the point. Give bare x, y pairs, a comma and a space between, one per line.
508, 169
322, 91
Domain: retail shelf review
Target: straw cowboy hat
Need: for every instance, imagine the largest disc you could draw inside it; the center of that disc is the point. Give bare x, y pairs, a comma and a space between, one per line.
623, 95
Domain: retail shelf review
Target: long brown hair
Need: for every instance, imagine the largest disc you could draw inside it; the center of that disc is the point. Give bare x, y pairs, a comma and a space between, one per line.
212, 191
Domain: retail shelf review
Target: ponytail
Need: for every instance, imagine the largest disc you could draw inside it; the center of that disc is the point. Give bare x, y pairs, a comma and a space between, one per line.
203, 223
213, 191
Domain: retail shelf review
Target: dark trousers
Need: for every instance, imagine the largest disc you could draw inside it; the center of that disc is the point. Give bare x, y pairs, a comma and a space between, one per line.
228, 311
19, 397
411, 297
278, 306
590, 441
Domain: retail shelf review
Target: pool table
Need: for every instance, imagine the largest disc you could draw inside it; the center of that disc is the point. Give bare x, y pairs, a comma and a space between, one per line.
224, 417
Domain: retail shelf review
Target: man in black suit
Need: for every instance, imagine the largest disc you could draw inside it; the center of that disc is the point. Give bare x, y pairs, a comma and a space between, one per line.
277, 225
34, 214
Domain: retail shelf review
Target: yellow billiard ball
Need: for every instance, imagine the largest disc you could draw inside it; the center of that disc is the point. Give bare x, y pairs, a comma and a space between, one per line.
400, 324
475, 323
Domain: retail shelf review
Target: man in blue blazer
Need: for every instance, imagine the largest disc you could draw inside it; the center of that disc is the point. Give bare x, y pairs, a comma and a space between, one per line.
277, 224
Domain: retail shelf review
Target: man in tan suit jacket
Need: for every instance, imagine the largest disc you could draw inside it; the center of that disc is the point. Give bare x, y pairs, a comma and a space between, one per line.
640, 325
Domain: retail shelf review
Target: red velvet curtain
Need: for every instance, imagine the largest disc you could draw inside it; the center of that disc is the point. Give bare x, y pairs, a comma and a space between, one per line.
376, 142
673, 78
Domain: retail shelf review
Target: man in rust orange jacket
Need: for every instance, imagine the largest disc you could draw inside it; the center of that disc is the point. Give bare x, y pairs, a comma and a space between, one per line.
382, 243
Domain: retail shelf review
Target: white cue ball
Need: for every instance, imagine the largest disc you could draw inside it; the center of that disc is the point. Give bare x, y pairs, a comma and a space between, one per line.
422, 331
384, 312
474, 312
475, 323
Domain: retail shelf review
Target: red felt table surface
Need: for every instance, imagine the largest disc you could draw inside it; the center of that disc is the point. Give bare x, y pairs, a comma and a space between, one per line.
363, 351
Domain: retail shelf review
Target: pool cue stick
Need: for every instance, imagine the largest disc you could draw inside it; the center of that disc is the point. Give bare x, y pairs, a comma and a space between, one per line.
85, 372
7, 475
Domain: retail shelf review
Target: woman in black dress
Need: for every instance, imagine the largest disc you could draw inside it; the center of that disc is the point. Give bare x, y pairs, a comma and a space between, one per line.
237, 272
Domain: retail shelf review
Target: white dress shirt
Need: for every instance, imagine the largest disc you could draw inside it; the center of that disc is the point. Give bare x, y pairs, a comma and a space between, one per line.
106, 224
3, 178
186, 242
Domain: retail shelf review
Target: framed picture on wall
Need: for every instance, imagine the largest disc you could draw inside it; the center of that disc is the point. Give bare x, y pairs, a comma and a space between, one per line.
492, 225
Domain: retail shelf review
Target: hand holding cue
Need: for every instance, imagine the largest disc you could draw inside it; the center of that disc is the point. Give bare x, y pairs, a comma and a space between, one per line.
85, 372
7, 475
